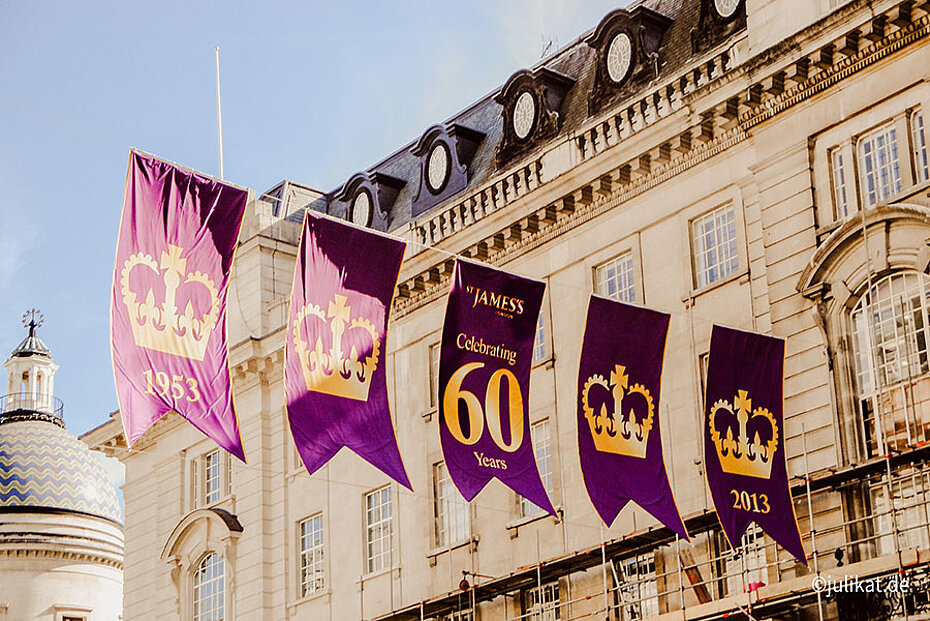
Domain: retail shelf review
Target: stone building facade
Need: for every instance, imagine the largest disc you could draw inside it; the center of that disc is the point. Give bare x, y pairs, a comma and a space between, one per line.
760, 164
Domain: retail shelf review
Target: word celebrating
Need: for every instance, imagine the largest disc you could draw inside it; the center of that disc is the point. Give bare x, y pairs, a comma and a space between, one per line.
490, 412
504, 303
755, 503
854, 584
490, 462
175, 386
468, 343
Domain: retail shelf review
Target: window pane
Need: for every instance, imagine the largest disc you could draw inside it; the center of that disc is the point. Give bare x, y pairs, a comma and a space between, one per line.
890, 338
311, 556
921, 165
542, 448
209, 589
433, 374
211, 477
614, 279
715, 249
880, 172
542, 603
453, 523
378, 529
746, 567
539, 344
637, 595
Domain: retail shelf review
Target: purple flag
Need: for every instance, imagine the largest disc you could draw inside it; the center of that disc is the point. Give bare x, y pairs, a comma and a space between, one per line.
168, 313
744, 437
618, 411
484, 377
336, 345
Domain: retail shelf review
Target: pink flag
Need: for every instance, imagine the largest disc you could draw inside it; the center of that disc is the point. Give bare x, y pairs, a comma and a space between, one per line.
177, 239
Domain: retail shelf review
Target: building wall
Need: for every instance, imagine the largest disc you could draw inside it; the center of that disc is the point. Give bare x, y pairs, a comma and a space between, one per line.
772, 169
60, 564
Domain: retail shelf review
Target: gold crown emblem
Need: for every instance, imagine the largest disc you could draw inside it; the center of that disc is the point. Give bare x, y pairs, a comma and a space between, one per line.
737, 437
332, 372
162, 328
619, 432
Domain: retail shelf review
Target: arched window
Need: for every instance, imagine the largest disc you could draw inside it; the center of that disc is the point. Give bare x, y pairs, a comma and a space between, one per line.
890, 335
210, 589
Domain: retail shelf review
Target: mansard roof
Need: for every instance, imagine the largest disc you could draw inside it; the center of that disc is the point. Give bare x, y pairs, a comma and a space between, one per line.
576, 61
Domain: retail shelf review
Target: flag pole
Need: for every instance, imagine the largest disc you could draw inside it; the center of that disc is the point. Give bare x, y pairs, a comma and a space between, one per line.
219, 112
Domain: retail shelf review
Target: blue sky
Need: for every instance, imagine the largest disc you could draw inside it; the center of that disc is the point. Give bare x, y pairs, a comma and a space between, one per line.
312, 92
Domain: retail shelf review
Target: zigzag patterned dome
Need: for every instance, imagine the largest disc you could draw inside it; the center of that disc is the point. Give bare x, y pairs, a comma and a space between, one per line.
43, 466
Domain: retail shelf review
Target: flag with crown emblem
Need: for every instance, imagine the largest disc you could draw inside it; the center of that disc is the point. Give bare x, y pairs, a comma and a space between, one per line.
484, 378
619, 439
744, 437
177, 239
334, 369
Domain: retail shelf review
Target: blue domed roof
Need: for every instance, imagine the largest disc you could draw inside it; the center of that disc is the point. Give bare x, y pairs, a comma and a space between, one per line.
44, 466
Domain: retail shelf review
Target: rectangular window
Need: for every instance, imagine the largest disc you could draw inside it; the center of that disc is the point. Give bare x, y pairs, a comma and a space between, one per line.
747, 567
461, 615
637, 594
879, 169
840, 199
378, 518
910, 489
433, 375
921, 165
211, 478
542, 448
715, 252
450, 509
312, 580
615, 280
542, 603
540, 351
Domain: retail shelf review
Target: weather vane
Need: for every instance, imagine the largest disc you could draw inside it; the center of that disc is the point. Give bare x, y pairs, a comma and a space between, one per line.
33, 318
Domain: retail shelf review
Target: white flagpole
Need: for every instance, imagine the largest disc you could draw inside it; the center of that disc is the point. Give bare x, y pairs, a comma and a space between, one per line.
219, 112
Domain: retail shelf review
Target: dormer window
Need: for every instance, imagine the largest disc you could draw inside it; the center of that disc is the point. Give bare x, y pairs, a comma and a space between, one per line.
720, 19
360, 213
627, 46
532, 110
366, 199
726, 8
445, 153
437, 167
524, 115
619, 57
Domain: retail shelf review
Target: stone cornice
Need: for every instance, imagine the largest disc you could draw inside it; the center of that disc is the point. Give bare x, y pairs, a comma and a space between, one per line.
40, 548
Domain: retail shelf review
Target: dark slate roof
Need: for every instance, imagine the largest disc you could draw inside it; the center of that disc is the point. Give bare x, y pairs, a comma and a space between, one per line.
577, 61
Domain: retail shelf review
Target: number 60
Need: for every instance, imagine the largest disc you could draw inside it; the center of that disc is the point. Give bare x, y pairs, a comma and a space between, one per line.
490, 412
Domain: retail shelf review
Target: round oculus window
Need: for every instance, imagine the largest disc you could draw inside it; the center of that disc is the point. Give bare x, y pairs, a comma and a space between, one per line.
619, 55
726, 8
437, 167
361, 209
524, 115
